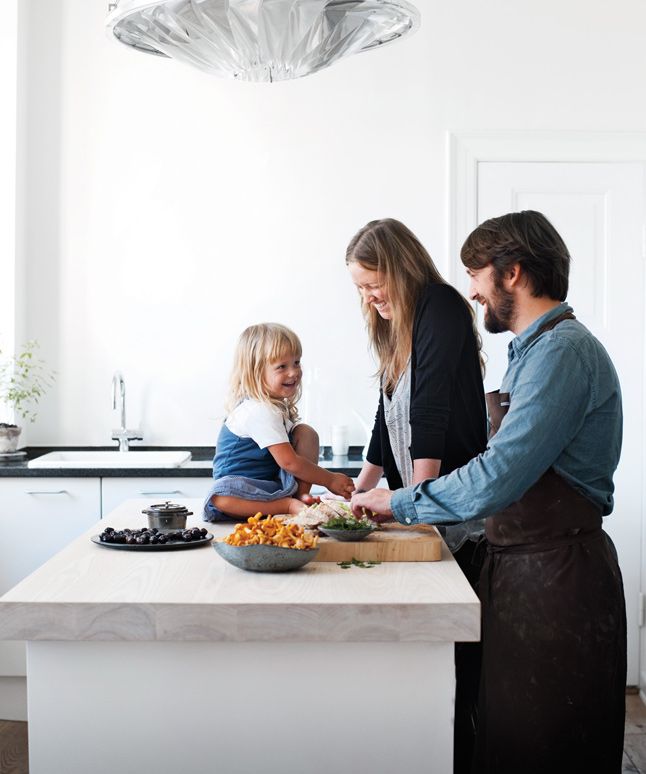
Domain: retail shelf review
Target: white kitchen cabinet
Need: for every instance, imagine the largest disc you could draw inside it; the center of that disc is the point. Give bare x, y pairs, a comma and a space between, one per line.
154, 490
39, 517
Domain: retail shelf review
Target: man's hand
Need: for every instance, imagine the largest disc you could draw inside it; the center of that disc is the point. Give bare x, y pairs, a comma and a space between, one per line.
377, 501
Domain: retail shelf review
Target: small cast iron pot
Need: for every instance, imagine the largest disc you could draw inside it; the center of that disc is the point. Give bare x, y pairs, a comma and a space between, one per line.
167, 517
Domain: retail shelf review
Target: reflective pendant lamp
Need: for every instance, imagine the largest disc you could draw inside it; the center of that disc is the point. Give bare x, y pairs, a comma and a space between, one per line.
260, 40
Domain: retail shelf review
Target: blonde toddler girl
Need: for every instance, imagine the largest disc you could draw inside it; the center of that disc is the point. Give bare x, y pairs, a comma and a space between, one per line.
265, 456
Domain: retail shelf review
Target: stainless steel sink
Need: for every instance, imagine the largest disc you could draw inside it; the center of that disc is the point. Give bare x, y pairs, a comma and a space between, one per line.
110, 459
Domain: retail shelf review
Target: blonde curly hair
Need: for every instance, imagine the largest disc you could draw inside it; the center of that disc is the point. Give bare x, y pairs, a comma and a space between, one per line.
258, 346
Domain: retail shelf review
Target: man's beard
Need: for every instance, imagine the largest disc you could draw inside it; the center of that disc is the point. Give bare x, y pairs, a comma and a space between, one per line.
498, 318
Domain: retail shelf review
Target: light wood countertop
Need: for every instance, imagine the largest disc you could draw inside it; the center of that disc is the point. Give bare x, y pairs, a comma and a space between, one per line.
89, 592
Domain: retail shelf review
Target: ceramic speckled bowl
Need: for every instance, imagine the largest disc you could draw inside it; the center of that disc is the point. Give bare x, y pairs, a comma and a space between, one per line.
347, 535
264, 558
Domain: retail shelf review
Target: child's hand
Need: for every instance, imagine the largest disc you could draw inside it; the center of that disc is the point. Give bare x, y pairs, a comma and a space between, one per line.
342, 485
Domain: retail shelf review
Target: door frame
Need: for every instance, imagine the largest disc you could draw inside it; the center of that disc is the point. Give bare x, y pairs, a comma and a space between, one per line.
465, 150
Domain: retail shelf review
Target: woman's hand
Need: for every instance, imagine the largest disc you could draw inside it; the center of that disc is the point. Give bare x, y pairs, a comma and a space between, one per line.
340, 484
377, 501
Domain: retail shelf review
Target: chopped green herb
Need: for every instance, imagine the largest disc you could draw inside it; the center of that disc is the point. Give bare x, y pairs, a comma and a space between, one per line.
358, 563
349, 522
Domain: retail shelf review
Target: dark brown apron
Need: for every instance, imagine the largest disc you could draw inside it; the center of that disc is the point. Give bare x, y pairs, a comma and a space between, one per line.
552, 696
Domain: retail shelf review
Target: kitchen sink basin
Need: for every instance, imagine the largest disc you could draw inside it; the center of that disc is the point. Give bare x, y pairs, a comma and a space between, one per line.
110, 459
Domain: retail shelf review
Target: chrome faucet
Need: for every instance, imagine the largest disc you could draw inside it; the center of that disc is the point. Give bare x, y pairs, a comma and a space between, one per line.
122, 434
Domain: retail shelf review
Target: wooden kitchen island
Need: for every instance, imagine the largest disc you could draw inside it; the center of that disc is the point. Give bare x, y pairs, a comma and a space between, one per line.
176, 661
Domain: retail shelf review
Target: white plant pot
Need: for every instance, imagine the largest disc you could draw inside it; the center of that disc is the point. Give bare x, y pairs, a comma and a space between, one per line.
9, 439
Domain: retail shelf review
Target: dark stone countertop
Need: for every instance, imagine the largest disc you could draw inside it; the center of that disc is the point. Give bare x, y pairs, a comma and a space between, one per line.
199, 466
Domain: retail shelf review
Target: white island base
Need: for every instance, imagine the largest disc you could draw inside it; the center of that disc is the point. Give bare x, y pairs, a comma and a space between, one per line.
240, 708
178, 663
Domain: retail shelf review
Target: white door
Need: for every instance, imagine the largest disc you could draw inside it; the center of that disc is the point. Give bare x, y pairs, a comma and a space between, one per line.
598, 210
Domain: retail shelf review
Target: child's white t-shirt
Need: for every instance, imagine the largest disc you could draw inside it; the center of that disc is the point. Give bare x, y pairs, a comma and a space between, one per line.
260, 421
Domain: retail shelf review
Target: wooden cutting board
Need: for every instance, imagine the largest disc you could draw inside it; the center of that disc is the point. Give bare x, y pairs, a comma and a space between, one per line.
391, 543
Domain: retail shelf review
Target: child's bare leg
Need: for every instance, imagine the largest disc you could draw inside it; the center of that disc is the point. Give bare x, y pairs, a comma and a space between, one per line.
305, 441
242, 509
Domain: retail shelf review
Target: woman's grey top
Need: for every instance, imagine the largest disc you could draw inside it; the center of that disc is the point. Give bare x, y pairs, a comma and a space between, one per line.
397, 416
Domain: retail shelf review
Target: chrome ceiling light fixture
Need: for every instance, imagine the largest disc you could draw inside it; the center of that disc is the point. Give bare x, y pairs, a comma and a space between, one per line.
259, 40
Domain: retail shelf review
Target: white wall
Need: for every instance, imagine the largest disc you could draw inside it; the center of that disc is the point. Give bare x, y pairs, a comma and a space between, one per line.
163, 210
8, 129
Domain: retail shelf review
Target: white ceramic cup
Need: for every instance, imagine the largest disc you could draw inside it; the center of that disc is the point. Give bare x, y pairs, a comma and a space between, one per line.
339, 440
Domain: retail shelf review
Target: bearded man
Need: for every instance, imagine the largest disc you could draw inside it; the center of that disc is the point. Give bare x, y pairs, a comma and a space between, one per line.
552, 695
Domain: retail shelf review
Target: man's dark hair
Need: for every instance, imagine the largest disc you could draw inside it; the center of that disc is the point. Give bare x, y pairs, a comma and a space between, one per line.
527, 238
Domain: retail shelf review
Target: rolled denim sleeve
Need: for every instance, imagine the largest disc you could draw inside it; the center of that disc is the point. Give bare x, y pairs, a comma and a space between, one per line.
550, 398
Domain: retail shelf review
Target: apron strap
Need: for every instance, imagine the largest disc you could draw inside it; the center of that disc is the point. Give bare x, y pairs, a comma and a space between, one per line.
498, 402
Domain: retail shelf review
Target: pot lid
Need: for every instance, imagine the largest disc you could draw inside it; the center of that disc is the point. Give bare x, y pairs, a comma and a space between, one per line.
167, 509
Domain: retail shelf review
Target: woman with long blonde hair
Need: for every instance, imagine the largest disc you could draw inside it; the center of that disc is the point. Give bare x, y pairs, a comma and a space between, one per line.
265, 456
431, 416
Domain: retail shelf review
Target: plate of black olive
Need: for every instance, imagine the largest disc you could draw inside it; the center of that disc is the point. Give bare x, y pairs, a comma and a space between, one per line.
152, 539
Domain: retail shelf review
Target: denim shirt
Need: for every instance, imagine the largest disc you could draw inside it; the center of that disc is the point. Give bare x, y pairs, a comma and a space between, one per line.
565, 413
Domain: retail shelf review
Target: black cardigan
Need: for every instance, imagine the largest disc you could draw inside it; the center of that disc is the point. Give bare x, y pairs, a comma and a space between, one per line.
447, 407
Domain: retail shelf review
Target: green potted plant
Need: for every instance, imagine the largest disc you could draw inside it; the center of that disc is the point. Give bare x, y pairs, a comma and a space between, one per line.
24, 379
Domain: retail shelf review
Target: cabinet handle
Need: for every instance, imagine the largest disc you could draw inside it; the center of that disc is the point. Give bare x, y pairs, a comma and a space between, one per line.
167, 492
45, 491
